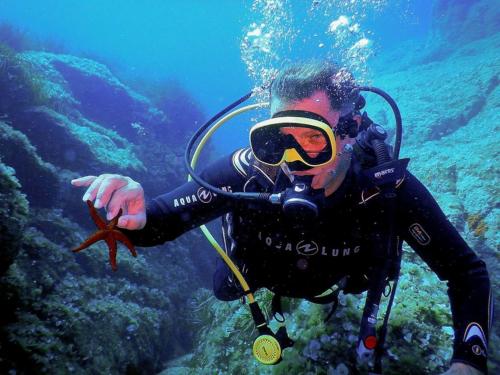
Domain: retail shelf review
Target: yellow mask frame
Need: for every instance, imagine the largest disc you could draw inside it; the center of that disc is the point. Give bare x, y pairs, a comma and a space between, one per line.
293, 154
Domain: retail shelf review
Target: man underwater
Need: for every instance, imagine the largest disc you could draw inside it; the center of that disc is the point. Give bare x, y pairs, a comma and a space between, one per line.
306, 145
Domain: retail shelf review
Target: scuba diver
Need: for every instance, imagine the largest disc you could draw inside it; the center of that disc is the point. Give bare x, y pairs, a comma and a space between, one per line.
311, 218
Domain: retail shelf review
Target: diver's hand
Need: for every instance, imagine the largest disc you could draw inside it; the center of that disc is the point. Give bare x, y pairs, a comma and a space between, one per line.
462, 369
113, 192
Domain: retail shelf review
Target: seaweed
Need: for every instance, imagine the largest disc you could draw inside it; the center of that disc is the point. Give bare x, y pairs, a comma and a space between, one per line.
22, 86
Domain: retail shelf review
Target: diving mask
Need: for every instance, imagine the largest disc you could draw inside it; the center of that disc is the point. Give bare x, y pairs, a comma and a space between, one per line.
292, 136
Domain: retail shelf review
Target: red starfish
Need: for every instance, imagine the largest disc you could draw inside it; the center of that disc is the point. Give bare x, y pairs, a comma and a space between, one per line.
108, 233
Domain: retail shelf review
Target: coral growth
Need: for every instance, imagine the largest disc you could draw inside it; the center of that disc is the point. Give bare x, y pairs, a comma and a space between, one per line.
64, 313
21, 86
477, 224
419, 339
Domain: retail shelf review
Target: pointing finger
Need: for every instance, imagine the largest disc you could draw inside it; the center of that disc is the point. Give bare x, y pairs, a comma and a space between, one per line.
83, 181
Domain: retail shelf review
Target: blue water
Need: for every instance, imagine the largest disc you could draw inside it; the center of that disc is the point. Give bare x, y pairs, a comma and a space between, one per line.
198, 43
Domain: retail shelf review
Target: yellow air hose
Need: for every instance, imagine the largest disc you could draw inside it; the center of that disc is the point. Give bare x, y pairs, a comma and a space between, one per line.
204, 229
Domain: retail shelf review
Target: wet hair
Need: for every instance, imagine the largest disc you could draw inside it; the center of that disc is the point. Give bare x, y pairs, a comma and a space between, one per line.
301, 80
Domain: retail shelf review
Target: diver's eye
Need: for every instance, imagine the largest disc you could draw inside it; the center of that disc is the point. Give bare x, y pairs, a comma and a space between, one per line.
316, 138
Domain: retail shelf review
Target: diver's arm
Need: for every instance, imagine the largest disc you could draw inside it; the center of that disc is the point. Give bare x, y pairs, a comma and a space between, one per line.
188, 206
424, 226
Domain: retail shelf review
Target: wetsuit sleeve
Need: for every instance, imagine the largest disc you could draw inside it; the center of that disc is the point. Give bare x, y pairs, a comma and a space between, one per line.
424, 226
188, 206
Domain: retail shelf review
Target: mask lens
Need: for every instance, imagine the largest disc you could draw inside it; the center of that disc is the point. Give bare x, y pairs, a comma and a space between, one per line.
312, 141
275, 143
268, 144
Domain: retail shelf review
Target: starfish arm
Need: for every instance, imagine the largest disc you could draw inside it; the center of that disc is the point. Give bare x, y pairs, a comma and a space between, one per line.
112, 250
97, 236
101, 224
108, 233
124, 239
114, 221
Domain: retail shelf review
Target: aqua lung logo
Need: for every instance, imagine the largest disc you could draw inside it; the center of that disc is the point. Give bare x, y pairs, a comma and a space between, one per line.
477, 350
202, 195
384, 172
472, 332
307, 247
419, 234
188, 199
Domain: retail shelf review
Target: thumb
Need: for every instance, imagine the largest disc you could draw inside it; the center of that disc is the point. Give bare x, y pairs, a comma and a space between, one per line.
132, 222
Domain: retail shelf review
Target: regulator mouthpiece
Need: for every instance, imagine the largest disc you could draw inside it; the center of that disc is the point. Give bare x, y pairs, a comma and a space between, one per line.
301, 202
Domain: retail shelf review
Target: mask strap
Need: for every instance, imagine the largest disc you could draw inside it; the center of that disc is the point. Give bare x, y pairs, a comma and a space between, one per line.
299, 113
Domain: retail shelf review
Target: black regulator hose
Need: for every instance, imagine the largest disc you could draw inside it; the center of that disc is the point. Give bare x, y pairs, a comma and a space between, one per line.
198, 179
381, 151
397, 115
196, 135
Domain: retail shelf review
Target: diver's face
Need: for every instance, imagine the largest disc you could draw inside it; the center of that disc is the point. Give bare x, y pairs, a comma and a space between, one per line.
317, 103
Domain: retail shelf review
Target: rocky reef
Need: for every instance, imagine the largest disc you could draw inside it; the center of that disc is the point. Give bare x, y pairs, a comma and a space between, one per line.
62, 116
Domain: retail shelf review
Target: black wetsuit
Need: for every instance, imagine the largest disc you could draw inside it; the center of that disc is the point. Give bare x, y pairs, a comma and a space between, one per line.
304, 259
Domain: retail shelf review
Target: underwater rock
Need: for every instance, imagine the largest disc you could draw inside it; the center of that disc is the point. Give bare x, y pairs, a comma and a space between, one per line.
455, 25
39, 179
79, 84
98, 123
21, 86
64, 312
457, 22
438, 98
13, 213
312, 350
339, 370
77, 142
66, 309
